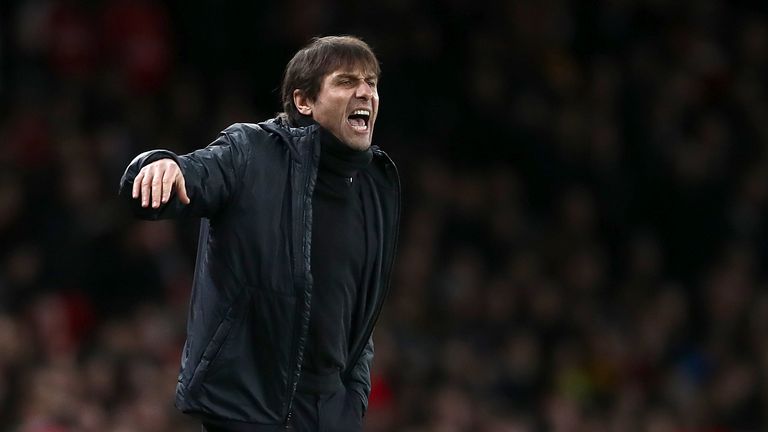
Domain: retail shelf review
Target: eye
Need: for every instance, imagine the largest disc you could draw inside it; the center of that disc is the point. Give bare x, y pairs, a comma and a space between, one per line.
371, 83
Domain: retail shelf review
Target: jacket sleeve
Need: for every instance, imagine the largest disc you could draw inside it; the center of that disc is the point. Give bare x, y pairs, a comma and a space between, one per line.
211, 175
360, 378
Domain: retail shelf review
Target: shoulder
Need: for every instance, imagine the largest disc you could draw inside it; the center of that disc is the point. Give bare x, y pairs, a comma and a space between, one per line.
268, 141
280, 127
275, 128
252, 137
245, 133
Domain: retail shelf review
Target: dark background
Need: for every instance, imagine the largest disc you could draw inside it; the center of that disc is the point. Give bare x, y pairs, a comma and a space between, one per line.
584, 240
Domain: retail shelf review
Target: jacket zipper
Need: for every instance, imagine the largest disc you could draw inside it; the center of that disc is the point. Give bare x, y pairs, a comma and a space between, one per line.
305, 193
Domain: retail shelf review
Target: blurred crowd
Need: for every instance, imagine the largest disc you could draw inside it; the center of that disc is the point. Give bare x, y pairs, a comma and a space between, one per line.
584, 235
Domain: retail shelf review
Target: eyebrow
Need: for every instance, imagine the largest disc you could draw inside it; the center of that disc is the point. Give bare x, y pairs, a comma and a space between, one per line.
354, 76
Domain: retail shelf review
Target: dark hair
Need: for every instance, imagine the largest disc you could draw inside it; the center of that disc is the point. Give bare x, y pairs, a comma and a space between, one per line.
322, 56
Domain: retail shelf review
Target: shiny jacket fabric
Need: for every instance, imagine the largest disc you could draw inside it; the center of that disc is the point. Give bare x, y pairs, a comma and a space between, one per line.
252, 291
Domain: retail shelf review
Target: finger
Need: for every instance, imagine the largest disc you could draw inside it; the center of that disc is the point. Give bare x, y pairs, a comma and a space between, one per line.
181, 189
145, 188
137, 184
167, 184
157, 187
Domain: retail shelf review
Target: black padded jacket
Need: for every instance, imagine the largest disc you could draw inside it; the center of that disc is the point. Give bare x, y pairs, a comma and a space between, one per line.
252, 291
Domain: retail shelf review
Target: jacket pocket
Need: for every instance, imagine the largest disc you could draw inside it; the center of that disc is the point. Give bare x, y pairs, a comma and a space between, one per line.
212, 350
272, 333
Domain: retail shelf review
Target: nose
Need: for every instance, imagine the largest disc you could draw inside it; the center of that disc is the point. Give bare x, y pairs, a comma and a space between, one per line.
364, 91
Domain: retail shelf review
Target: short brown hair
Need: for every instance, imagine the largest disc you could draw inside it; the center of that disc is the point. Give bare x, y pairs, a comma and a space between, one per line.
322, 56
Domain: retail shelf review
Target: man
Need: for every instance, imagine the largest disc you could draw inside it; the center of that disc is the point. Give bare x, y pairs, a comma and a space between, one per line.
299, 225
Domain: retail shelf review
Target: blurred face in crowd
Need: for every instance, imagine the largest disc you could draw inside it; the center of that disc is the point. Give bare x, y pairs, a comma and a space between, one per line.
346, 105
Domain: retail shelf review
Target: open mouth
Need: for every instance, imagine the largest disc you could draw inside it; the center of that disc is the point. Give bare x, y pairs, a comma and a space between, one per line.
359, 120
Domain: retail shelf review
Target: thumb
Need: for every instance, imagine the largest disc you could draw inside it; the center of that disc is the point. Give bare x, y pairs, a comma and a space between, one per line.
181, 189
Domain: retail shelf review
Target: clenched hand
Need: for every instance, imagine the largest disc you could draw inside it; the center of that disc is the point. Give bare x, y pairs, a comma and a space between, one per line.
156, 181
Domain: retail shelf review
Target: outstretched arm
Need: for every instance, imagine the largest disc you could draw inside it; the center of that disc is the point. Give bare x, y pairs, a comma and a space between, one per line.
162, 185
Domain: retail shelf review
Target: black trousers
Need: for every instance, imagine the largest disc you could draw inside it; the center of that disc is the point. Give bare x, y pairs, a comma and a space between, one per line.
339, 411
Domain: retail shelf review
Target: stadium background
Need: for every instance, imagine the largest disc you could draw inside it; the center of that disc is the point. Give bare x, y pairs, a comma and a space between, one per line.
585, 183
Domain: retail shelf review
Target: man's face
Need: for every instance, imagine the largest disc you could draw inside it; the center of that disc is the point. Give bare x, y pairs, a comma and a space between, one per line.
347, 106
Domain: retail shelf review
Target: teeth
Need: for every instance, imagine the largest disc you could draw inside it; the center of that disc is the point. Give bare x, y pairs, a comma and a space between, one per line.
361, 112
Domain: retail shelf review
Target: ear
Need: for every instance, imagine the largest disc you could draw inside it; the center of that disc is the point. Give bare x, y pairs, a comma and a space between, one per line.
302, 102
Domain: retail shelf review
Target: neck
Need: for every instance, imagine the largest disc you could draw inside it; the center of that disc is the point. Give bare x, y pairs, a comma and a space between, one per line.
339, 158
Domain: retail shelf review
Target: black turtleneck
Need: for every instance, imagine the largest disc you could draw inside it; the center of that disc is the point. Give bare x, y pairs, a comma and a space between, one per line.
339, 255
